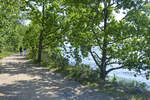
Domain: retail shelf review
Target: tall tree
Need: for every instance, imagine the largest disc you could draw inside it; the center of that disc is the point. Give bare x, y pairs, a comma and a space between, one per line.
10, 19
45, 15
41, 33
118, 42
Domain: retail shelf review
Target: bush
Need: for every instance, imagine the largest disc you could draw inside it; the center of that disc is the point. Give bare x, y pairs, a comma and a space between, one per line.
81, 72
85, 75
6, 53
54, 59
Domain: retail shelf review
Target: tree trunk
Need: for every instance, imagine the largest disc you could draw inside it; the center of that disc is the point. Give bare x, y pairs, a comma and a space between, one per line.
102, 76
41, 34
104, 48
40, 48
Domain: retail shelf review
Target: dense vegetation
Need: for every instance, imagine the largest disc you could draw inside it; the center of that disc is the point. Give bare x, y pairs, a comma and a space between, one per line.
84, 25
11, 28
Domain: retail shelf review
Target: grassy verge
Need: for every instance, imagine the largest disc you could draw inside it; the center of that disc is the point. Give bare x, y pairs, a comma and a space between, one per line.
118, 90
86, 76
5, 53
121, 90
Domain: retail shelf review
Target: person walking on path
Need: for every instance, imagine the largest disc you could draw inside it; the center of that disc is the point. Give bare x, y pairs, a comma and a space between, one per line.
25, 51
20, 49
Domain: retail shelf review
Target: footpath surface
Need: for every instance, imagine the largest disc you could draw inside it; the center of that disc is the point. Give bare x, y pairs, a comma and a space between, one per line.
22, 80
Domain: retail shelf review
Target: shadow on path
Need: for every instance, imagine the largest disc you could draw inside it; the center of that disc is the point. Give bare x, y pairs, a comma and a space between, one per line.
22, 80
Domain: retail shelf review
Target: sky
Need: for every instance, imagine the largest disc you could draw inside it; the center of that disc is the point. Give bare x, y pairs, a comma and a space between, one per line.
119, 16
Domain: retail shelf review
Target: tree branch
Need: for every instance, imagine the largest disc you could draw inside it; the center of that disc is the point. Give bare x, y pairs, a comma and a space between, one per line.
121, 39
95, 59
109, 6
97, 55
100, 28
108, 58
124, 17
114, 69
115, 62
98, 41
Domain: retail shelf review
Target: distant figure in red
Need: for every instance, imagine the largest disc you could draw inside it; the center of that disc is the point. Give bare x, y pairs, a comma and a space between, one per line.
20, 49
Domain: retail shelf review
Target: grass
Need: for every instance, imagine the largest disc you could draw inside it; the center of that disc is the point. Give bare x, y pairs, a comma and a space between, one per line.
121, 90
5, 53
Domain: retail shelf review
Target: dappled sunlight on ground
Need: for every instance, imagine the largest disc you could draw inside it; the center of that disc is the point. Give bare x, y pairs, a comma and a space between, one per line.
1, 94
15, 59
22, 80
9, 79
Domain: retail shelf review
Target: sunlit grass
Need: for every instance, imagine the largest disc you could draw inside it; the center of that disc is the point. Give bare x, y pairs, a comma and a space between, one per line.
5, 53
120, 90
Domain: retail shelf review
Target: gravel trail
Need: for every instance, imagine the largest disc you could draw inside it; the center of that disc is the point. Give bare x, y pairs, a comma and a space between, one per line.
22, 80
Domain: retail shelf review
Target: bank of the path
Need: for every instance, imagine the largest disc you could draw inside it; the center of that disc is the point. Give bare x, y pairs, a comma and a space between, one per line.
22, 80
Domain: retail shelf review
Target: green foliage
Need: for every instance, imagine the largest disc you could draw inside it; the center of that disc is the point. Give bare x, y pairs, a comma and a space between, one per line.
5, 53
44, 30
81, 72
30, 40
89, 24
10, 20
124, 42
114, 79
85, 24
54, 59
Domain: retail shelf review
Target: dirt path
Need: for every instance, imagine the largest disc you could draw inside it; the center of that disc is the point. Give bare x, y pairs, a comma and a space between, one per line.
22, 80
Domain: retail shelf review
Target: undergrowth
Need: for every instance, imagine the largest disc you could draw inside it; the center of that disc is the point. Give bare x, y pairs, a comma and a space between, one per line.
87, 76
5, 53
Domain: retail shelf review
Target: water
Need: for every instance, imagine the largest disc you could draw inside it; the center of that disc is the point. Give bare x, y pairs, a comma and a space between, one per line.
121, 73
